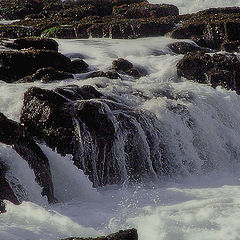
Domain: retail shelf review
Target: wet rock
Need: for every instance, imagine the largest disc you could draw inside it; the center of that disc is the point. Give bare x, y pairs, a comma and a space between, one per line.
134, 73
91, 126
108, 74
127, 2
34, 43
6, 192
145, 10
185, 47
121, 65
62, 32
18, 64
14, 134
217, 69
19, 9
130, 234
79, 66
46, 75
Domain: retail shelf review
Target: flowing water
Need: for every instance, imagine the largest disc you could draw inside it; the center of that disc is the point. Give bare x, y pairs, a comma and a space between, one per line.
198, 124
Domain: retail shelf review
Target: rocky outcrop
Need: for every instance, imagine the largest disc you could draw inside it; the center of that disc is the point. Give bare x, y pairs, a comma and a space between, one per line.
217, 69
16, 65
130, 234
14, 134
108, 140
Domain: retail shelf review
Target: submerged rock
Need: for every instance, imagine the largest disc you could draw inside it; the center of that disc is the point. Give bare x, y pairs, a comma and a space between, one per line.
121, 65
130, 234
14, 134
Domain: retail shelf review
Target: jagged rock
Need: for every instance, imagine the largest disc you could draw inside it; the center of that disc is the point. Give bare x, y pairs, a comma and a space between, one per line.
14, 134
46, 75
121, 65
34, 43
130, 234
218, 69
145, 10
19, 64
79, 66
230, 46
106, 138
185, 47
108, 74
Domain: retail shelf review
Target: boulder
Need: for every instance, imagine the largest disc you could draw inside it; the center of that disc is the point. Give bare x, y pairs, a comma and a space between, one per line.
14, 134
33, 43
130, 234
108, 139
145, 10
79, 66
121, 65
46, 75
185, 47
217, 69
230, 46
18, 64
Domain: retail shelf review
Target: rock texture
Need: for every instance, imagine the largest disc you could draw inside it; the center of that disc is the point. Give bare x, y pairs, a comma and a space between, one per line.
14, 134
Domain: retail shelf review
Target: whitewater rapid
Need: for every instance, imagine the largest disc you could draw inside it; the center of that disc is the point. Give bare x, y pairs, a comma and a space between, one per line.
199, 124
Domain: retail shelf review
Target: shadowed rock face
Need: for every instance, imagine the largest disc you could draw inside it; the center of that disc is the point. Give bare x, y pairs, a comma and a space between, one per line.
14, 134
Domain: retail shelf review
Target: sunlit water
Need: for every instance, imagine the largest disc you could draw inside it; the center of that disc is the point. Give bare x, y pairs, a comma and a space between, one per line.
203, 205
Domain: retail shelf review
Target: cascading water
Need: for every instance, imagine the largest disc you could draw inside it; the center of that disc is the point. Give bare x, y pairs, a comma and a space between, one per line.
186, 134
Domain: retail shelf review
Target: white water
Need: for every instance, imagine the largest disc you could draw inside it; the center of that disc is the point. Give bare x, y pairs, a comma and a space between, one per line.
203, 128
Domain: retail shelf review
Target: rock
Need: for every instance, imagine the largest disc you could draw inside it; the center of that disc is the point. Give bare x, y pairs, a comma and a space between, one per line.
18, 9
218, 69
6, 192
121, 65
185, 47
127, 2
79, 66
230, 46
127, 29
145, 10
130, 234
14, 134
108, 74
46, 75
18, 64
63, 32
34, 43
134, 73
91, 126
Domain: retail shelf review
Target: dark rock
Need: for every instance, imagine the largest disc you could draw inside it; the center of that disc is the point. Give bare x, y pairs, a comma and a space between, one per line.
133, 72
109, 74
130, 234
121, 65
145, 10
63, 32
34, 43
127, 2
46, 75
185, 47
6, 192
218, 69
230, 46
79, 66
18, 64
18, 9
14, 134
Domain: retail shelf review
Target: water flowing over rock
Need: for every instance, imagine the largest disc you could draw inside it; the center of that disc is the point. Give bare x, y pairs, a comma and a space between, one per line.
110, 142
16, 135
